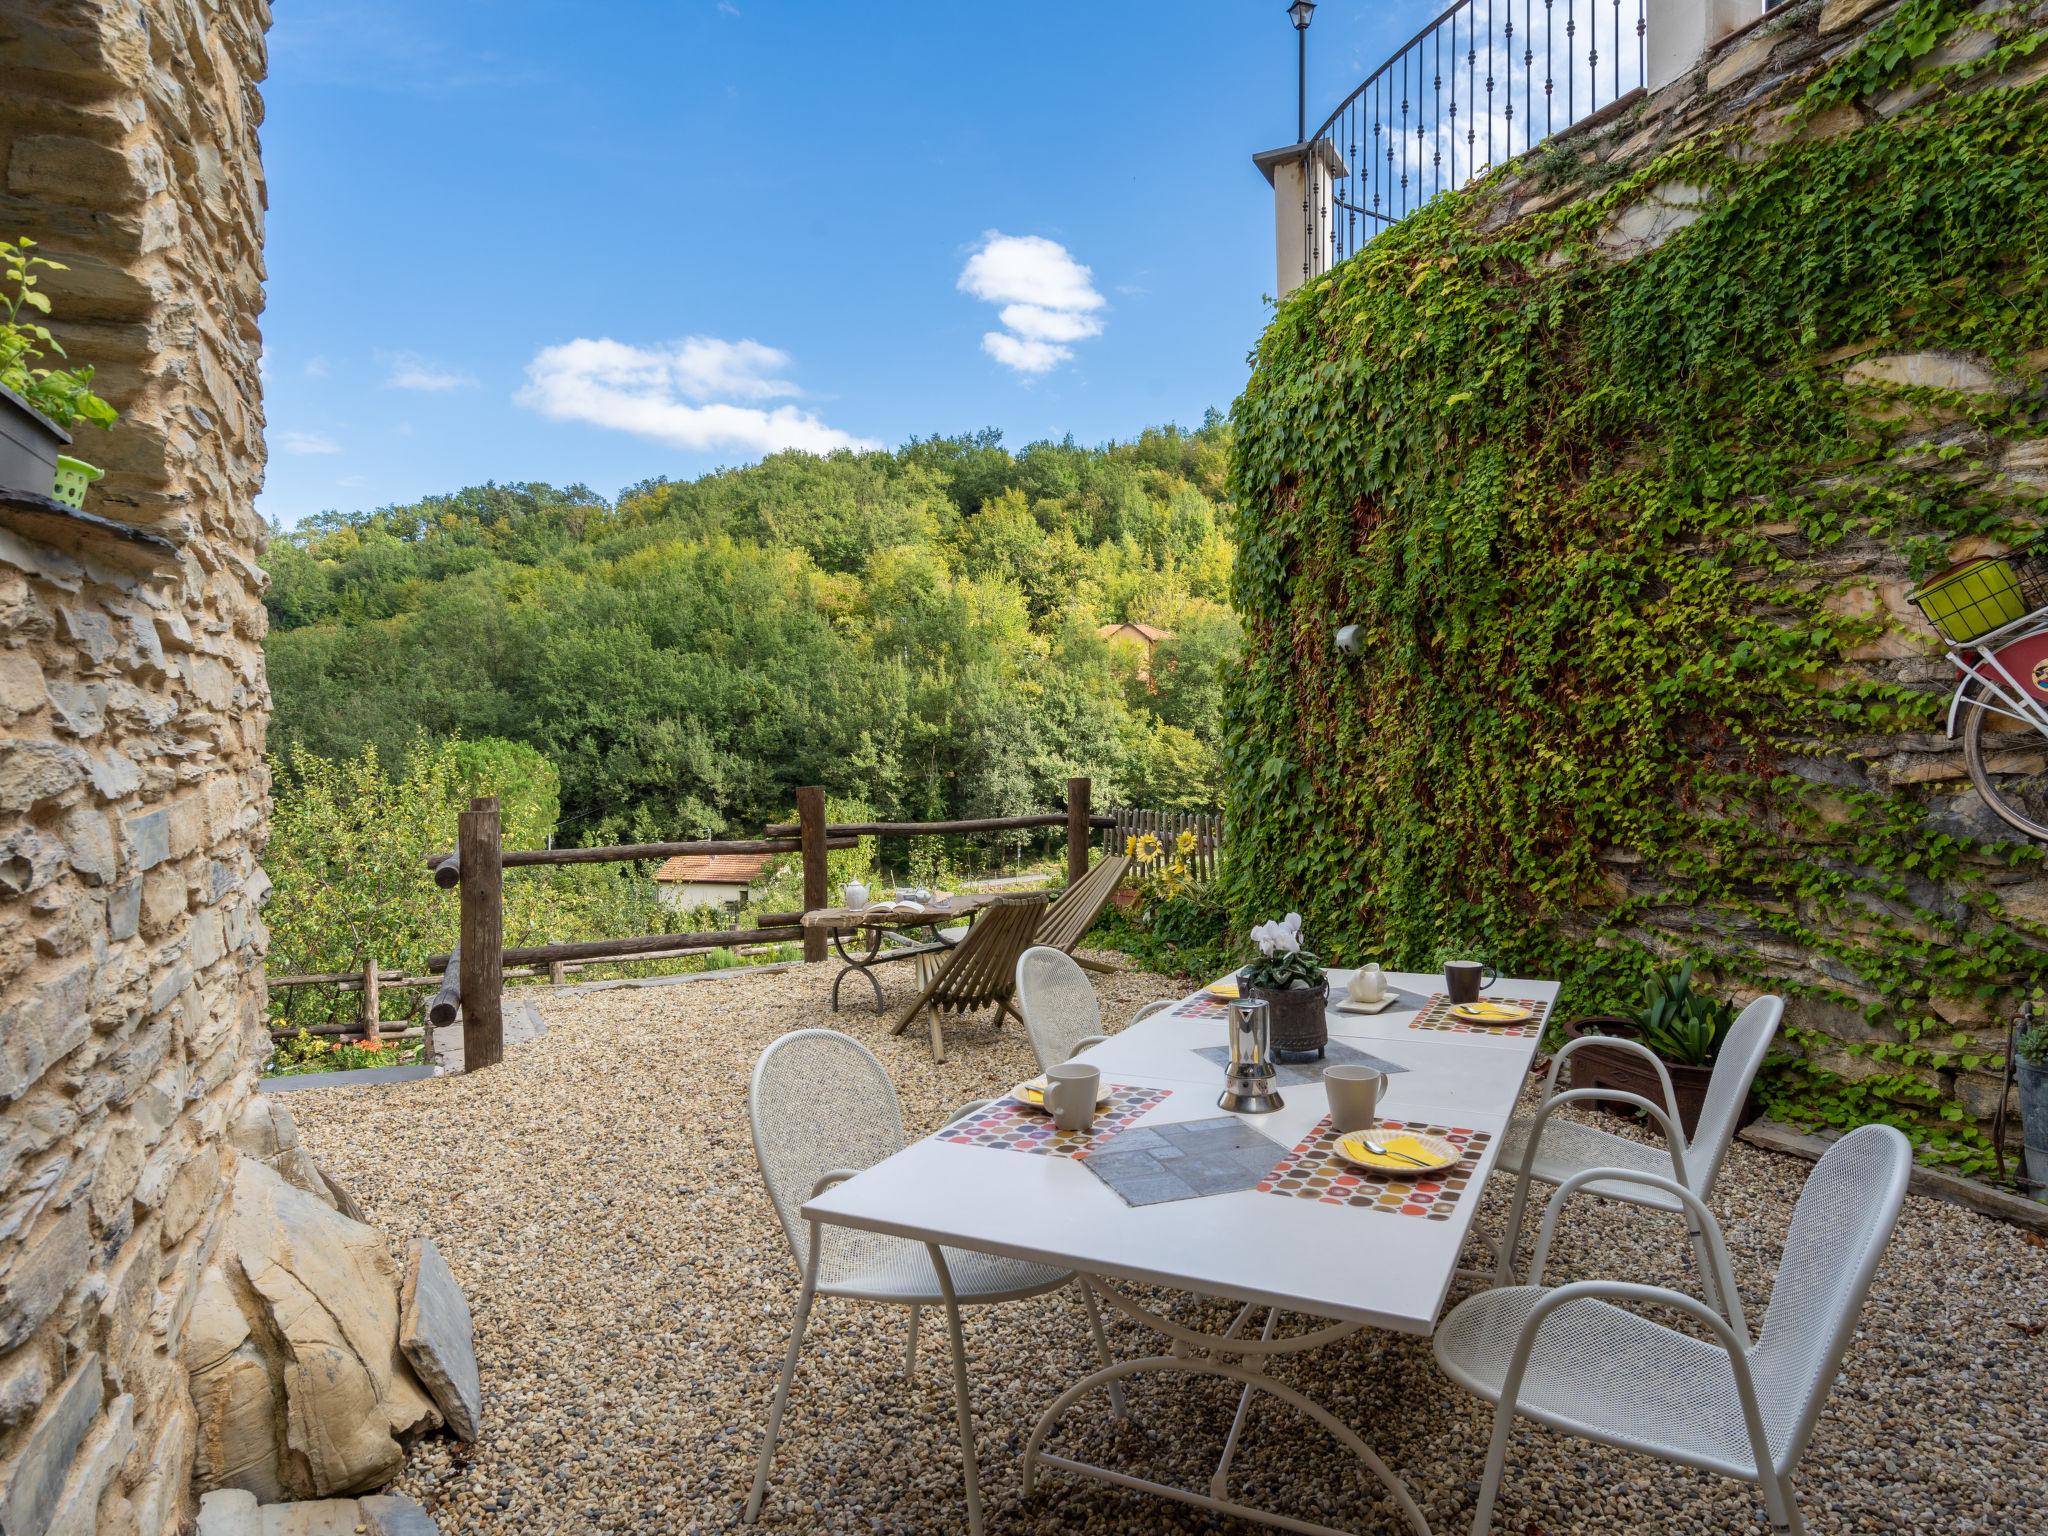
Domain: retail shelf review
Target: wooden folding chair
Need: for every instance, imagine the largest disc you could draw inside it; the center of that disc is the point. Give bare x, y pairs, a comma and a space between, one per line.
982, 970
1077, 908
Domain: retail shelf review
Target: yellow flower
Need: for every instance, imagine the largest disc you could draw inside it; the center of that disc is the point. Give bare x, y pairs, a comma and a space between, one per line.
1185, 843
1130, 846
1147, 848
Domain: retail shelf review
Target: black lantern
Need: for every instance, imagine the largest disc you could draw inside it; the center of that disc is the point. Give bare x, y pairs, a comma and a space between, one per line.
1301, 13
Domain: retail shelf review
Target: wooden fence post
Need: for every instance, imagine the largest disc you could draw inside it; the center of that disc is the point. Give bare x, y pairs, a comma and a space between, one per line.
1078, 794
810, 831
483, 937
370, 1002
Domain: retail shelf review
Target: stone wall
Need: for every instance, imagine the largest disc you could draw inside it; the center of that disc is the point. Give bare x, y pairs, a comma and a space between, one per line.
133, 793
1754, 79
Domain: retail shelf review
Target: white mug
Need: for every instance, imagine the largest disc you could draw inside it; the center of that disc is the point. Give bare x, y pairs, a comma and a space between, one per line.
1354, 1093
1071, 1089
1368, 984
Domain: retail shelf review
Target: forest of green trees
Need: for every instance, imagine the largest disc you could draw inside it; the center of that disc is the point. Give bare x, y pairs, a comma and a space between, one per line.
916, 631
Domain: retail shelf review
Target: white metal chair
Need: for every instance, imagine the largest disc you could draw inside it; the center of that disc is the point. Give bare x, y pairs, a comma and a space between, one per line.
822, 1108
1569, 1358
1060, 1010
1542, 1149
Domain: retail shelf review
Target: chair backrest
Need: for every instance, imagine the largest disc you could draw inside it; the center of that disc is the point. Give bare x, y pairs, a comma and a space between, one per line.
1735, 1069
819, 1100
982, 968
1074, 913
1839, 1229
1058, 1003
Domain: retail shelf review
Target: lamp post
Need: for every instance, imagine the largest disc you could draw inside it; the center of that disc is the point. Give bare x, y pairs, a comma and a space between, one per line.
1301, 13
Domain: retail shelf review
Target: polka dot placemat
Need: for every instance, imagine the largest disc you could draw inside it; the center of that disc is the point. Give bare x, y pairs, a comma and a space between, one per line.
1016, 1127
1438, 1016
1201, 1006
1315, 1171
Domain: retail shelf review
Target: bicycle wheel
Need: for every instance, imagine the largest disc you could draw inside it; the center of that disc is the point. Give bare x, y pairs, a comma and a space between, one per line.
2008, 763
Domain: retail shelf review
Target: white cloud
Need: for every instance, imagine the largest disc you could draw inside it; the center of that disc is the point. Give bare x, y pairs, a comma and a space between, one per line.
683, 394
316, 368
1048, 299
411, 371
308, 442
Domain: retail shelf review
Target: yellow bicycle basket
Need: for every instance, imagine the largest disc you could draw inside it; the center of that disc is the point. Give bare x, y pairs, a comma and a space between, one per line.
1974, 598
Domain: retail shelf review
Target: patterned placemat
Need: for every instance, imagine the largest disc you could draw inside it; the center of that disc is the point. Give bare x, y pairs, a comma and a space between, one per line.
1016, 1127
1315, 1171
1200, 1006
1437, 1015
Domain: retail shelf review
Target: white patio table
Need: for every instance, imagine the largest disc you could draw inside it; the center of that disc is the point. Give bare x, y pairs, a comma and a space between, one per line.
1314, 1236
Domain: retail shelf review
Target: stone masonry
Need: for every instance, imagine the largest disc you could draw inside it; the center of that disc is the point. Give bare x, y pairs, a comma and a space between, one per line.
1753, 80
133, 794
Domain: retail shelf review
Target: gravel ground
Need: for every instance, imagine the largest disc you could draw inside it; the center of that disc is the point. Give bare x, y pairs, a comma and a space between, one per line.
596, 1196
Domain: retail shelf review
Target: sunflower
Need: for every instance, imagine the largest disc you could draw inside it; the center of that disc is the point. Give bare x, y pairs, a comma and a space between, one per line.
1146, 848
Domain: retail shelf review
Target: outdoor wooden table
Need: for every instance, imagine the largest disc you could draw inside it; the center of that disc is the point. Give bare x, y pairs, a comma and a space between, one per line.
877, 920
1347, 1247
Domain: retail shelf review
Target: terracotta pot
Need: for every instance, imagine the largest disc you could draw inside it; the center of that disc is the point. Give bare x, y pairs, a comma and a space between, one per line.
1300, 1024
1125, 898
1625, 1071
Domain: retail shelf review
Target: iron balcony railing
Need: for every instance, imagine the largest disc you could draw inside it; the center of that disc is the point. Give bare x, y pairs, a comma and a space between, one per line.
1484, 82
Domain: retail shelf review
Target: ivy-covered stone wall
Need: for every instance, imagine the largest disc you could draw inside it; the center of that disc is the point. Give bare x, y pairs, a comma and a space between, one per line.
1624, 460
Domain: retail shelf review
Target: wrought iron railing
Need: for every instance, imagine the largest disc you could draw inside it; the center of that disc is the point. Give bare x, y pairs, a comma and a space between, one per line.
1484, 82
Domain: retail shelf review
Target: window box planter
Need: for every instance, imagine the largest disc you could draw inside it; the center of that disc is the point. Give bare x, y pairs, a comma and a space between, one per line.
29, 446
1626, 1072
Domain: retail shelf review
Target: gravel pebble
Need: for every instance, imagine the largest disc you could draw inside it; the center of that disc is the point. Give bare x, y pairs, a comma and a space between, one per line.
596, 1196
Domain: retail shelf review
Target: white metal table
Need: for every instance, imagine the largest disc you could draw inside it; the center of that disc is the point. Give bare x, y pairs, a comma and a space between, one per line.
1365, 1253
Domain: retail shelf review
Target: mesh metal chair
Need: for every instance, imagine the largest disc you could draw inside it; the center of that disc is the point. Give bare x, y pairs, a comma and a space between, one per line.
1061, 1013
1542, 1149
1569, 1358
822, 1108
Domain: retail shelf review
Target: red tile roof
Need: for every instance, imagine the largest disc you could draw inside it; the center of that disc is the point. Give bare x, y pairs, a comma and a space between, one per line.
714, 868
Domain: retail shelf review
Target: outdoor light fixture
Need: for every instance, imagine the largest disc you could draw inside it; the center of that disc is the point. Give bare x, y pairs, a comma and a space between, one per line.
1301, 13
1350, 639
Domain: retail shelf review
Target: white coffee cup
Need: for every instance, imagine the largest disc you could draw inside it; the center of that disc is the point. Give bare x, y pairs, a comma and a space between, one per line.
1071, 1090
1368, 984
1355, 1093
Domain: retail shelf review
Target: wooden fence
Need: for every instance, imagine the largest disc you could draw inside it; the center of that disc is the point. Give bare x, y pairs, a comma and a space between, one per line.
1204, 827
473, 973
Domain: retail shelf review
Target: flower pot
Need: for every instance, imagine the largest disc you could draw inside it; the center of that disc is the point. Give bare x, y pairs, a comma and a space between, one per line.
2033, 1086
29, 444
71, 479
1300, 1025
1593, 1066
1126, 898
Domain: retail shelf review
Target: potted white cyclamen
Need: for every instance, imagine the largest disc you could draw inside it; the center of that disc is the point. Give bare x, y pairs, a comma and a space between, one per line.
1290, 982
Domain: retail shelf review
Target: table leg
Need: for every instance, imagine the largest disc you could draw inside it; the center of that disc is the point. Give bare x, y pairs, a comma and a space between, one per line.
864, 964
1241, 1360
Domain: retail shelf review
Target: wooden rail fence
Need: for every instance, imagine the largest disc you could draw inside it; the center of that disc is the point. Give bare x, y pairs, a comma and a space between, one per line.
472, 975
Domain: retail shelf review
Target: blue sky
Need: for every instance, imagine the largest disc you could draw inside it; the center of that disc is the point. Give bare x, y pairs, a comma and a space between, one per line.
539, 240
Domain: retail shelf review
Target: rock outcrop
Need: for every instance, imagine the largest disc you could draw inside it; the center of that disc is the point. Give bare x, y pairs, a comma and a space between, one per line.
296, 1370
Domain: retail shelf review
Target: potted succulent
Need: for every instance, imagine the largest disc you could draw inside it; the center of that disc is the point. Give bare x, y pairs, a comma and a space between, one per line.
1290, 982
38, 402
2030, 1070
1685, 1028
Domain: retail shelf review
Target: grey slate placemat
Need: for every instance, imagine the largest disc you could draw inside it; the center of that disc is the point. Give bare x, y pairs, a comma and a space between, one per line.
1150, 1165
1295, 1073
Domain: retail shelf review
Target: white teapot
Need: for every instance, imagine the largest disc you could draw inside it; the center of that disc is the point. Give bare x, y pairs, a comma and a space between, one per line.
855, 896
1368, 984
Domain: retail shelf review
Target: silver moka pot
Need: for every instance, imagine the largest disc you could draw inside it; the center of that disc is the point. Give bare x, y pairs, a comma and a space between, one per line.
1248, 1084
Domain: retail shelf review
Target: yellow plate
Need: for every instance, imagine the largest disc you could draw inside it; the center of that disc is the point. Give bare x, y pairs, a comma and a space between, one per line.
1435, 1153
1224, 990
1496, 1014
1033, 1093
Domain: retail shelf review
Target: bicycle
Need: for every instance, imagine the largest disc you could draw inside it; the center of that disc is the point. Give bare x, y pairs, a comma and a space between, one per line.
1993, 612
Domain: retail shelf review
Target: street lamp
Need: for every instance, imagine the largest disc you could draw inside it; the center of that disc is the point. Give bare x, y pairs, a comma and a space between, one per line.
1301, 13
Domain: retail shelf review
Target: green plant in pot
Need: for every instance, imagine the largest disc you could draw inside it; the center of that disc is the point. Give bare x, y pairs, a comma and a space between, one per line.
1684, 1026
40, 401
1290, 981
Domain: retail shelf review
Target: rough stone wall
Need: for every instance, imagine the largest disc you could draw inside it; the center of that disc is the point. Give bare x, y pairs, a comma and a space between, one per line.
133, 795
1754, 79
